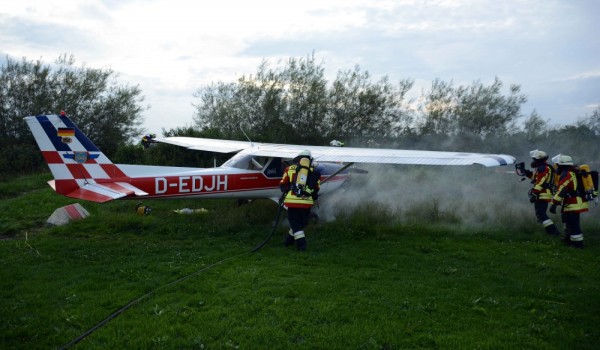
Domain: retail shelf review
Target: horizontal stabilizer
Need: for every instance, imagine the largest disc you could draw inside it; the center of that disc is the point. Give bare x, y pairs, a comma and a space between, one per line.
104, 192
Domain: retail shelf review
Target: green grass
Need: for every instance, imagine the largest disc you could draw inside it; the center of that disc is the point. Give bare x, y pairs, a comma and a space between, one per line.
368, 281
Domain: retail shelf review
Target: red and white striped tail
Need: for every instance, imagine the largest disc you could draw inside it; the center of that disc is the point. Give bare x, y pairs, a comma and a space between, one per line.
79, 168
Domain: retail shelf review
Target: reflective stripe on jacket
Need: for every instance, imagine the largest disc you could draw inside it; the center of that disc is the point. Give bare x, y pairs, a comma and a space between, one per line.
542, 182
567, 194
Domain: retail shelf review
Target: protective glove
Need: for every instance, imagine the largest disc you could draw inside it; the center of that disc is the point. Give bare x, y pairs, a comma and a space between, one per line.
553, 208
284, 188
532, 196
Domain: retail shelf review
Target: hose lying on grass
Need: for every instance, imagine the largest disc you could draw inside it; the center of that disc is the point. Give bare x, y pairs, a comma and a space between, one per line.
147, 295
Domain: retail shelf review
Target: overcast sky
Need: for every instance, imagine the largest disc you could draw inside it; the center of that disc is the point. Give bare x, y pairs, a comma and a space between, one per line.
171, 48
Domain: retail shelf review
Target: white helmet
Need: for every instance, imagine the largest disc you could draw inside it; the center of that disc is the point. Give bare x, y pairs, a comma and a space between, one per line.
304, 154
562, 159
536, 154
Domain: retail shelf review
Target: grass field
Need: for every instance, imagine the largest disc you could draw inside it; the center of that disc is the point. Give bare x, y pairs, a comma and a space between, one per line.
371, 279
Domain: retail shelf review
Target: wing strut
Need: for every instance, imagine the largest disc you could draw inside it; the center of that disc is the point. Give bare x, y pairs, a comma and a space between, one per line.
338, 171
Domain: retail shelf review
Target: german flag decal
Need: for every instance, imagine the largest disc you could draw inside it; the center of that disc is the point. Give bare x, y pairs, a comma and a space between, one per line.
66, 132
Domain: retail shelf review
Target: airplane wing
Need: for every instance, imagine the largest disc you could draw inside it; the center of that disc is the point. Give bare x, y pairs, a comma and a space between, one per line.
209, 145
343, 154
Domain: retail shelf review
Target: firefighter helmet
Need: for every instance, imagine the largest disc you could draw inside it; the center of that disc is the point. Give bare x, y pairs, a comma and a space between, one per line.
537, 154
562, 159
303, 154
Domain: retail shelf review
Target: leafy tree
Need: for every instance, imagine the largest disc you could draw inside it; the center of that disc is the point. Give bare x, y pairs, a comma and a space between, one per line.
216, 109
476, 109
285, 104
359, 108
109, 113
592, 122
535, 127
292, 103
262, 104
169, 155
436, 109
577, 141
484, 109
305, 100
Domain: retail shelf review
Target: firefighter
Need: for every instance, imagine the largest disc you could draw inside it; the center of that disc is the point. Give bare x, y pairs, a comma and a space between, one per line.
300, 184
148, 139
568, 195
542, 179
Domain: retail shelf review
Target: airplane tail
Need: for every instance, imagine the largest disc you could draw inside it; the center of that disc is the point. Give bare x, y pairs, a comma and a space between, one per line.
79, 168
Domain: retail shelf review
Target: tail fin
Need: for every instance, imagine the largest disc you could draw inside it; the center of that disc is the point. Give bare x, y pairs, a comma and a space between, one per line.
79, 168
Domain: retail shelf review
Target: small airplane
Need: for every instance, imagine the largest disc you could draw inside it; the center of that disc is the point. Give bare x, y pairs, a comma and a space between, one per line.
82, 171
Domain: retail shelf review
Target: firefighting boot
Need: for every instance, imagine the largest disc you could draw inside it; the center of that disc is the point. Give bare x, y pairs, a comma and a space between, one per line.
301, 244
577, 241
289, 238
577, 244
300, 240
552, 230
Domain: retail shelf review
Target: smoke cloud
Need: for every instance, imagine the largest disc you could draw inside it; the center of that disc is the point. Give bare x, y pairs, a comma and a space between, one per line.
471, 196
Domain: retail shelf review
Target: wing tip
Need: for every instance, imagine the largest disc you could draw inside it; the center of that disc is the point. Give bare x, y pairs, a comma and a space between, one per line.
491, 160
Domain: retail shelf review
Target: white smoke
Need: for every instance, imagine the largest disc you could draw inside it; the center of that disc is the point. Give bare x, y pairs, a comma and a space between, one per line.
471, 196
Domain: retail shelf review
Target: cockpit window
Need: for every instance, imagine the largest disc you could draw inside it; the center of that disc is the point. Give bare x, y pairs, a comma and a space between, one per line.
271, 167
247, 162
238, 161
258, 163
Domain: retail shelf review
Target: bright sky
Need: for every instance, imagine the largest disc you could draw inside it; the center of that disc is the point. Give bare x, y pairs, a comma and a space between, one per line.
171, 48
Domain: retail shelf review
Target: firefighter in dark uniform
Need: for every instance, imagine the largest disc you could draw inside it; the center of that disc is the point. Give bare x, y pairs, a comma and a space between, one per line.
148, 139
300, 183
568, 195
542, 179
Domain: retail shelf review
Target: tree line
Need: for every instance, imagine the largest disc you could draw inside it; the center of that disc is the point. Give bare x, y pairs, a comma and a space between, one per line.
292, 102
103, 108
287, 102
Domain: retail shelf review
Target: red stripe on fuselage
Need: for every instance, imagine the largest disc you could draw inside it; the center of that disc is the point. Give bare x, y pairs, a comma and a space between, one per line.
209, 184
202, 184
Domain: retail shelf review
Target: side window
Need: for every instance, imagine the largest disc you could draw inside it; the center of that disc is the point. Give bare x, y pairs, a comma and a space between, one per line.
256, 163
274, 168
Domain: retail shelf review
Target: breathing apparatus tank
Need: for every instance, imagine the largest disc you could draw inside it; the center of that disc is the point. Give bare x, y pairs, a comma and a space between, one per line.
556, 178
302, 175
589, 181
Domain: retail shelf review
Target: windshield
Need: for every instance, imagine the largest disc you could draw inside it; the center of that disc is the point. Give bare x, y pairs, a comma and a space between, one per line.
247, 162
